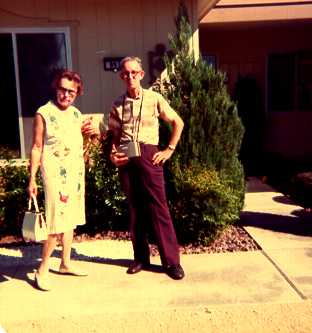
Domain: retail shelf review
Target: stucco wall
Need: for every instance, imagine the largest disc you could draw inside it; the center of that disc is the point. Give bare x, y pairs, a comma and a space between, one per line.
243, 49
99, 28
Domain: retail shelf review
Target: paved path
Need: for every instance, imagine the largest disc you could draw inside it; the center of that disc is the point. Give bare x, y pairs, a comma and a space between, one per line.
269, 290
284, 232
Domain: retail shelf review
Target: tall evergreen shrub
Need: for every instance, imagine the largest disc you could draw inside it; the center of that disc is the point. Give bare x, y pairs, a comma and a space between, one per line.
207, 175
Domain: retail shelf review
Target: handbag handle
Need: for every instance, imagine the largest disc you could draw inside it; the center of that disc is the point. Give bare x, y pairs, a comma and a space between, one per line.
34, 199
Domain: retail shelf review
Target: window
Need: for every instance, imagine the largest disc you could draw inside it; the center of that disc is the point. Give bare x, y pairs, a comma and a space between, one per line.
290, 82
305, 81
210, 59
28, 59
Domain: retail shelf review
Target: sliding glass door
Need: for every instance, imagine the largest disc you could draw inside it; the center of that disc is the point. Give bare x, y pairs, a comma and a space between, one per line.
28, 63
9, 128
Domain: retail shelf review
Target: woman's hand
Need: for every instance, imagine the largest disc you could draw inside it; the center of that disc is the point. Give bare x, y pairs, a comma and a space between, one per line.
32, 188
88, 128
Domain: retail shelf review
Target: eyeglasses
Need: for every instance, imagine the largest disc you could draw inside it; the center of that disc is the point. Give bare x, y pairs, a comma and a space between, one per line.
126, 75
71, 93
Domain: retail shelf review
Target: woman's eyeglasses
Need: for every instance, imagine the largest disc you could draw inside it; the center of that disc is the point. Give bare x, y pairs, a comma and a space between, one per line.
126, 75
71, 93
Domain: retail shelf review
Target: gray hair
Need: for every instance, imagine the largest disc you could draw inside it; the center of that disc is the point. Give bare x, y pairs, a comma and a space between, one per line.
130, 58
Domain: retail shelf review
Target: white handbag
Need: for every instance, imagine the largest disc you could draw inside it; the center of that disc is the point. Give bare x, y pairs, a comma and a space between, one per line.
34, 226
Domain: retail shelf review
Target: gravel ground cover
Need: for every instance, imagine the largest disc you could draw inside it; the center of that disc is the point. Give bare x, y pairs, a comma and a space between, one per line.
234, 238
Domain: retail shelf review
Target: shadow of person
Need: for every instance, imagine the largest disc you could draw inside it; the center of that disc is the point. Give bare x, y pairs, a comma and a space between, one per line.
110, 261
19, 262
25, 259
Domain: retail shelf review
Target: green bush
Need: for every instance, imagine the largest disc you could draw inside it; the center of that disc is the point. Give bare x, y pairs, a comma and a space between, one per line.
205, 178
202, 201
204, 205
207, 183
8, 152
105, 203
13, 196
300, 189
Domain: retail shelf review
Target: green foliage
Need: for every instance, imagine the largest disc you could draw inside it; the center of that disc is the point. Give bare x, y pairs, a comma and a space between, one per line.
7, 152
300, 189
105, 203
205, 170
13, 196
205, 178
204, 206
213, 131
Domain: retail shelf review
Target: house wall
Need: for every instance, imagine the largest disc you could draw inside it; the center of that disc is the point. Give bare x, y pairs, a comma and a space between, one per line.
99, 28
243, 49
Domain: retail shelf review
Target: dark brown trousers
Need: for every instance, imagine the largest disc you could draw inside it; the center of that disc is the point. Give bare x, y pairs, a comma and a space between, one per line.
144, 187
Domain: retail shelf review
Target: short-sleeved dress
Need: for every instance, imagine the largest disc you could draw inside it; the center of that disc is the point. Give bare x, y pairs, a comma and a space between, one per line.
62, 168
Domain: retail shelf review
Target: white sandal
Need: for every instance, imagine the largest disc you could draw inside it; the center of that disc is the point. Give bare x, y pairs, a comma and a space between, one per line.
42, 282
72, 271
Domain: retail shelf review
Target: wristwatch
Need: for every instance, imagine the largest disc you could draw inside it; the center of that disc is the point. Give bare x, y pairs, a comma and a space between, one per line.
171, 147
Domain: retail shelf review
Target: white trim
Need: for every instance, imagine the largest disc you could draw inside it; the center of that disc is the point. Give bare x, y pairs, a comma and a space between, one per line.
68, 48
21, 30
27, 30
18, 96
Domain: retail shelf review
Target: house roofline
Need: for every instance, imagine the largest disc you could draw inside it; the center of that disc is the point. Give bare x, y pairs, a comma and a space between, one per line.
204, 7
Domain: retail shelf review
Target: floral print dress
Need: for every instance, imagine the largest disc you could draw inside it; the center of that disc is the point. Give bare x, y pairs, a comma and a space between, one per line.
62, 168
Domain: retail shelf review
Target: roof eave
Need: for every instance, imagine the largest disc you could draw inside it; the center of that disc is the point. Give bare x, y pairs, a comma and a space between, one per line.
204, 6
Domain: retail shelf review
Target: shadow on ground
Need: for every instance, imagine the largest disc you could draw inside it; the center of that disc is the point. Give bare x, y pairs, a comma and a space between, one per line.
283, 199
19, 267
300, 223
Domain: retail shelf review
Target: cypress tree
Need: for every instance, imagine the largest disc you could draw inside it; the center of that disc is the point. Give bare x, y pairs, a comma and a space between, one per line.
209, 146
213, 131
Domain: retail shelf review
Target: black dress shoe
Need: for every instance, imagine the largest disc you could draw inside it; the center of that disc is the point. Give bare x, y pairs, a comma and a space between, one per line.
136, 267
175, 272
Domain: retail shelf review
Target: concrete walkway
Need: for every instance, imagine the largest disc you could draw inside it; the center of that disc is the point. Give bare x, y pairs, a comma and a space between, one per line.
269, 290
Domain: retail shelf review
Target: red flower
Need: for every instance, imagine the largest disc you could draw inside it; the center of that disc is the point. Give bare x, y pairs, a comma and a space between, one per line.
63, 197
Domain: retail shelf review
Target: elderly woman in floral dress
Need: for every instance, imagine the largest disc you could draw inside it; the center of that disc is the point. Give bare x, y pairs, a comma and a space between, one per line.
58, 150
